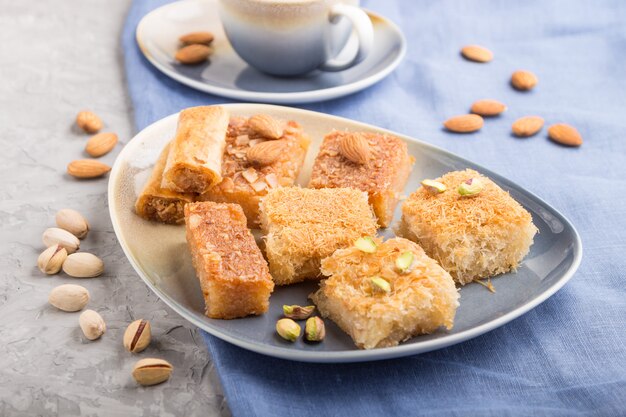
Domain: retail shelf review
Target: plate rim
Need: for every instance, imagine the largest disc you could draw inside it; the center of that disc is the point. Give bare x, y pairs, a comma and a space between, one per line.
276, 98
351, 355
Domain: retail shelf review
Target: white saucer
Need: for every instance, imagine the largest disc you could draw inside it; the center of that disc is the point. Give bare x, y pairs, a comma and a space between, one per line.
228, 75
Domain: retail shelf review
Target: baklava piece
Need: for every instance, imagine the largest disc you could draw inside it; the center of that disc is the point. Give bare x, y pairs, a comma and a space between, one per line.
303, 226
371, 162
160, 204
383, 293
472, 227
194, 163
233, 274
261, 153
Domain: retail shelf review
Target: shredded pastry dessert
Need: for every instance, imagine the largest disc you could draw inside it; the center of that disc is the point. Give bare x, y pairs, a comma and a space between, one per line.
471, 236
303, 226
386, 295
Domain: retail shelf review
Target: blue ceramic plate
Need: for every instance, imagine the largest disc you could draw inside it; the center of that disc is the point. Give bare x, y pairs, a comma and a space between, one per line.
228, 75
159, 253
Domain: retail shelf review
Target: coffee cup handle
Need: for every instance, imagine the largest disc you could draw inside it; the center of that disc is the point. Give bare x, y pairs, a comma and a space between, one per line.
365, 34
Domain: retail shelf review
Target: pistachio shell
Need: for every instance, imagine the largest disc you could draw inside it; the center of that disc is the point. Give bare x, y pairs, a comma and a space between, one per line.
83, 265
152, 371
64, 238
51, 260
73, 222
92, 324
137, 336
69, 297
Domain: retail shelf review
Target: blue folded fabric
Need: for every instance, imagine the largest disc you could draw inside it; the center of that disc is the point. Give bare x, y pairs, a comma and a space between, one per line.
567, 357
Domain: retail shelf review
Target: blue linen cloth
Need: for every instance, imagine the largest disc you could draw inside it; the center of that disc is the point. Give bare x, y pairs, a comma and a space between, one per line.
567, 357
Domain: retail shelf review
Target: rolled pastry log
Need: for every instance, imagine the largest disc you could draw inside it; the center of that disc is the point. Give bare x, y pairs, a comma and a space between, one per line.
158, 203
194, 163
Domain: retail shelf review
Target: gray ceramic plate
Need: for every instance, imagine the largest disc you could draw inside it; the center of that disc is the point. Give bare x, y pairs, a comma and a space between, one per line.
228, 75
159, 253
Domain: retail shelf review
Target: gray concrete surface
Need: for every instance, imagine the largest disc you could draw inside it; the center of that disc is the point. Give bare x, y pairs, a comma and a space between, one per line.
57, 57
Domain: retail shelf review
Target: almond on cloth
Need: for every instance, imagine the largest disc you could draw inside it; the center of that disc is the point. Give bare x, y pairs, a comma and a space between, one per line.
527, 126
523, 80
193, 54
197, 38
101, 144
488, 107
464, 123
477, 53
565, 134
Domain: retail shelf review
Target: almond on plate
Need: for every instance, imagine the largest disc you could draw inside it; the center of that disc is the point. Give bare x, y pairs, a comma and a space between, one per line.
527, 126
523, 80
193, 54
199, 38
476, 53
464, 123
101, 144
565, 134
488, 107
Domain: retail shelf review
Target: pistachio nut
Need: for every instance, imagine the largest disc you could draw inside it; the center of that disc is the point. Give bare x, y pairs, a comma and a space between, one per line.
152, 371
404, 262
137, 336
54, 235
288, 329
51, 260
380, 285
83, 265
298, 313
314, 329
69, 297
433, 187
73, 222
471, 187
365, 244
92, 324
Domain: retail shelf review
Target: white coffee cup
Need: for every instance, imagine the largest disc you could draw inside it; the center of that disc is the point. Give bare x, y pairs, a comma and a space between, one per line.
294, 37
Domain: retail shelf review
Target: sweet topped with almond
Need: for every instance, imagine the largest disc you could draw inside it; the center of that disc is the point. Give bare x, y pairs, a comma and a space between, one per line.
374, 163
261, 153
386, 293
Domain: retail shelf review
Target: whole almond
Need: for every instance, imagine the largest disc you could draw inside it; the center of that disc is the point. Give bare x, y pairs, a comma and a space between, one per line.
193, 54
73, 222
355, 148
51, 260
87, 168
137, 336
266, 126
464, 123
101, 144
92, 324
83, 265
55, 235
201, 38
266, 153
488, 107
69, 297
565, 134
523, 80
88, 121
152, 371
527, 126
477, 53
